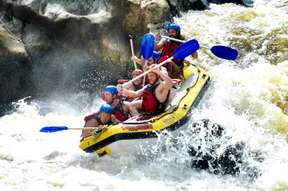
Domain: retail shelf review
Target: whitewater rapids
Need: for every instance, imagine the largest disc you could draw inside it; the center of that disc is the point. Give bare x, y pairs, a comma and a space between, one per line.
249, 98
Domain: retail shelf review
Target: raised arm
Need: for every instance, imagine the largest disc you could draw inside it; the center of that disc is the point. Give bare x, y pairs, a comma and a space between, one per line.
158, 46
130, 93
167, 81
159, 42
138, 60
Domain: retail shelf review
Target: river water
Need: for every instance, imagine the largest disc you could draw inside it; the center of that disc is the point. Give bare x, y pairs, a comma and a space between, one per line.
249, 98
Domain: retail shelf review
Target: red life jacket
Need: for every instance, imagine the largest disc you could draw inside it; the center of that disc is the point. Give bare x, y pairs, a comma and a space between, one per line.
150, 103
119, 113
169, 48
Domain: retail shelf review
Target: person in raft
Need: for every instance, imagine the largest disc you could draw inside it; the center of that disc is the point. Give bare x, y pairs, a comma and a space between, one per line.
155, 95
121, 109
134, 85
103, 117
168, 47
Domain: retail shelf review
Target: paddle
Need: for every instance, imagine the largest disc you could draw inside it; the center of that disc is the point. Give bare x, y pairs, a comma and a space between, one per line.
224, 52
147, 47
180, 53
132, 51
220, 51
52, 129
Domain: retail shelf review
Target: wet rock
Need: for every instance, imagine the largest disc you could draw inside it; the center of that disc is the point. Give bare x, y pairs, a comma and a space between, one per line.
113, 18
211, 150
10, 47
185, 5
77, 44
146, 13
14, 67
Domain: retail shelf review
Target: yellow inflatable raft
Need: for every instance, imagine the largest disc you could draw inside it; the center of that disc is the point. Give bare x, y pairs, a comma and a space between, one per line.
137, 130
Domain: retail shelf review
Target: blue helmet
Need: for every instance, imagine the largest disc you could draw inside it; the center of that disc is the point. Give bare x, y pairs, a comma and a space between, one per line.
111, 89
174, 26
106, 108
156, 55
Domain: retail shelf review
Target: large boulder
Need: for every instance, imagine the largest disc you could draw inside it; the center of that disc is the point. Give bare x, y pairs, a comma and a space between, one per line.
14, 67
185, 5
105, 19
11, 48
79, 44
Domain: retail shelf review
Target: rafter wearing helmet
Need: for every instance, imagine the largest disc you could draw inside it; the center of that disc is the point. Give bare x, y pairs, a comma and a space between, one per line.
102, 117
168, 47
120, 110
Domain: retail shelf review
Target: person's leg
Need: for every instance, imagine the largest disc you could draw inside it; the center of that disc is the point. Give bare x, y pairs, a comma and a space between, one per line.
134, 106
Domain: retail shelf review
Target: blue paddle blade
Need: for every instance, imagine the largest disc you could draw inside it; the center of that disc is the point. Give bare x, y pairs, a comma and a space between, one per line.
147, 46
186, 49
52, 129
224, 52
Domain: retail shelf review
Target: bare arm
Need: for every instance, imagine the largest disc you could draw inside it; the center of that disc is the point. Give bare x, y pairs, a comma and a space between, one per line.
158, 42
159, 45
131, 93
162, 90
167, 81
138, 60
